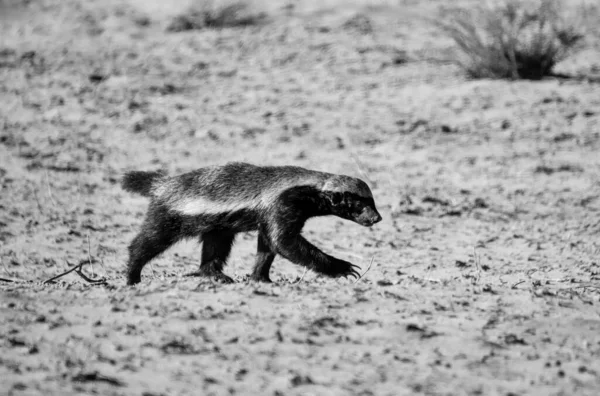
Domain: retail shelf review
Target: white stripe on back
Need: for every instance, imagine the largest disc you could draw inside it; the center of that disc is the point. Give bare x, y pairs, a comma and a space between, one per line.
200, 205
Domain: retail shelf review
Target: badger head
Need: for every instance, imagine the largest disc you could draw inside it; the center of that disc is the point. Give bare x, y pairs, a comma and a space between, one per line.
350, 198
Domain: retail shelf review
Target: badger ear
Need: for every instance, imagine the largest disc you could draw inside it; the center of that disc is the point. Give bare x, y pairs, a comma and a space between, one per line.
335, 198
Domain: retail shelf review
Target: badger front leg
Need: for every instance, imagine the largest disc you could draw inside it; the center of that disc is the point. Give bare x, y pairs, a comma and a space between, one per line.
216, 247
264, 259
299, 251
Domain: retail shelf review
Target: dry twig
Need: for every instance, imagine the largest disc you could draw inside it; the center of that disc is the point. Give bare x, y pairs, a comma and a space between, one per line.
88, 279
77, 270
302, 277
517, 284
477, 260
7, 280
50, 190
90, 254
367, 270
586, 286
62, 274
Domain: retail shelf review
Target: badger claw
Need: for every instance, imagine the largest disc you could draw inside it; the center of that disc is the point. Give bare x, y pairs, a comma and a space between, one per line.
342, 268
353, 272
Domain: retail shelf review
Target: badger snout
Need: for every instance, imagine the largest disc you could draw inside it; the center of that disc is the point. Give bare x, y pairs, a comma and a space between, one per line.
368, 217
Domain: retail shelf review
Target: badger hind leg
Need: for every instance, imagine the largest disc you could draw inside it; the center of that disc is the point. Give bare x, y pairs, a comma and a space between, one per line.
264, 259
157, 235
216, 247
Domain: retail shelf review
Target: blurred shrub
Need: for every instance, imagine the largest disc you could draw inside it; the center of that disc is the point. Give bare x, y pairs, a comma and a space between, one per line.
513, 39
204, 14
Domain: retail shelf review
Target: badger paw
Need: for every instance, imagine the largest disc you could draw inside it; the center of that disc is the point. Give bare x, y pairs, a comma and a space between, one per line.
341, 268
215, 276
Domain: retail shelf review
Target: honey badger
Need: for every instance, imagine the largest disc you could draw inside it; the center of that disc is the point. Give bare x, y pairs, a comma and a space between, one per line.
214, 203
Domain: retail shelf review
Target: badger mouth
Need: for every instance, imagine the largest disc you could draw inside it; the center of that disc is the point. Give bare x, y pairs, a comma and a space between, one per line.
368, 221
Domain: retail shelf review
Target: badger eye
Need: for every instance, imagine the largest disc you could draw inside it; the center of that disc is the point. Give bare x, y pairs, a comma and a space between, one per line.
336, 199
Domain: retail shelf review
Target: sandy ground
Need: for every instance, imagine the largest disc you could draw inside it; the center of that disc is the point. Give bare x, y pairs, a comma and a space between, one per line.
486, 268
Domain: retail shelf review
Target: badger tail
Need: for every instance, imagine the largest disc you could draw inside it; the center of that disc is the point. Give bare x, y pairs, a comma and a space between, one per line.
140, 182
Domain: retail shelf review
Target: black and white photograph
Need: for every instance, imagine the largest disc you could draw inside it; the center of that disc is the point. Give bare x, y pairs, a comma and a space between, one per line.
300, 197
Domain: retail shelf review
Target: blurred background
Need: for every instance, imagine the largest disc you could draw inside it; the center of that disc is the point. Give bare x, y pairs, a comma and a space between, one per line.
476, 124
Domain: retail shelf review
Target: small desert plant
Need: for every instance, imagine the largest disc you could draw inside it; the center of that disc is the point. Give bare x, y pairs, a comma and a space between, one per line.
516, 39
217, 14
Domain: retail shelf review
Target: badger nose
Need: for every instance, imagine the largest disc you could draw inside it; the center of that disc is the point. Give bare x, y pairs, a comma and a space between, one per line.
374, 217
368, 217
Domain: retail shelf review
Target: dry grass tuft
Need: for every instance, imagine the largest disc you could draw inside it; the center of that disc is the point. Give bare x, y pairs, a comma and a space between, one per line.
515, 39
207, 14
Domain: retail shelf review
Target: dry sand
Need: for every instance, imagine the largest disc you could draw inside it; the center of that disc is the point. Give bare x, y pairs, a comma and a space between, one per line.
486, 267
